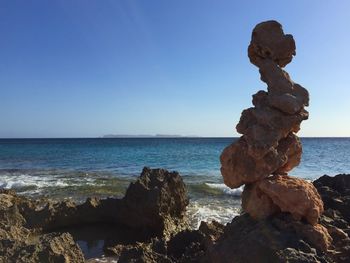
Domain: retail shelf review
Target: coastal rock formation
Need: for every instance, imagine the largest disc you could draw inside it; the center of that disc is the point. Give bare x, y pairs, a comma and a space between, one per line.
153, 207
277, 239
269, 148
285, 219
280, 238
20, 244
154, 203
157, 201
335, 193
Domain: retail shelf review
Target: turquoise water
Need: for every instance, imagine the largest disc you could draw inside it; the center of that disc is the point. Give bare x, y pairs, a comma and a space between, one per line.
77, 168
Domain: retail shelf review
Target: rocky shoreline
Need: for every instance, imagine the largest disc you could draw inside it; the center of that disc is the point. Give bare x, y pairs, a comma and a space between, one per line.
149, 225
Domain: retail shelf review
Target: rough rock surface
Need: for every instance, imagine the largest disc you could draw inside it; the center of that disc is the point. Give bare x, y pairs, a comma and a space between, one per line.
154, 206
20, 244
156, 201
268, 145
148, 224
280, 238
275, 239
283, 193
335, 193
268, 240
269, 148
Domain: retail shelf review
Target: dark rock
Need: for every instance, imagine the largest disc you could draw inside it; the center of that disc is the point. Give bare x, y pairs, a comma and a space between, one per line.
270, 42
274, 239
140, 253
156, 201
335, 192
186, 246
191, 245
154, 206
271, 240
44, 248
283, 239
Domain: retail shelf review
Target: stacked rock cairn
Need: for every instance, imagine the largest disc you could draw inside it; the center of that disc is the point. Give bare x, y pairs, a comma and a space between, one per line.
269, 148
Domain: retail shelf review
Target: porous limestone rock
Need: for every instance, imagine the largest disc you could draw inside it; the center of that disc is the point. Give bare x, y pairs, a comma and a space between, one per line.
270, 42
268, 145
154, 206
283, 193
269, 148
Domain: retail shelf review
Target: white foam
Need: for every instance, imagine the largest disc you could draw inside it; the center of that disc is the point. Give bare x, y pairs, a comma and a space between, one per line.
225, 189
198, 212
24, 180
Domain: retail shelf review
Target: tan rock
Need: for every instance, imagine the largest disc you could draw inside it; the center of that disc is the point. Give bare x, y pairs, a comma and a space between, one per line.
316, 235
238, 167
265, 127
290, 194
283, 93
291, 147
269, 148
268, 145
257, 204
293, 195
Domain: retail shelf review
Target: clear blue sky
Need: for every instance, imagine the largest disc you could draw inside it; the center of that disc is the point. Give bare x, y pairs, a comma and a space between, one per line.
89, 68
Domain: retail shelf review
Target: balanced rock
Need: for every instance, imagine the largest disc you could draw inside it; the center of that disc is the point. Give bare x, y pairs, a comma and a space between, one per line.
268, 145
269, 148
270, 42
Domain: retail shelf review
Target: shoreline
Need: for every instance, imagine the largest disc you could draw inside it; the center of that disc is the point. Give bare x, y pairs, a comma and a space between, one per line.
104, 219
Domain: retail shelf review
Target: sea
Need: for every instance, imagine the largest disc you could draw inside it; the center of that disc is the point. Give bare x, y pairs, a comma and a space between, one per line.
104, 167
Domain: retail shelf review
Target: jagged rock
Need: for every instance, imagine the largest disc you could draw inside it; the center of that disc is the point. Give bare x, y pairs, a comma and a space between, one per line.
335, 192
270, 240
154, 206
141, 252
280, 238
185, 246
157, 200
45, 248
191, 245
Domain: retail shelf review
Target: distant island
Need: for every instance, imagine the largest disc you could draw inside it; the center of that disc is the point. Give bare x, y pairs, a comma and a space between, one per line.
147, 136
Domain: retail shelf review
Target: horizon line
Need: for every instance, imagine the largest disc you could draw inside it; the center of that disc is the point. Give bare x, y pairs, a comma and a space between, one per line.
152, 137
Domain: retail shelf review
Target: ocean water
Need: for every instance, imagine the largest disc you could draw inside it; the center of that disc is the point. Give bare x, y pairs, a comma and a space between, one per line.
77, 168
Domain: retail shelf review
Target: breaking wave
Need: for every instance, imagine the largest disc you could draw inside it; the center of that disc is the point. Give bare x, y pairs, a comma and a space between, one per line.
226, 190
